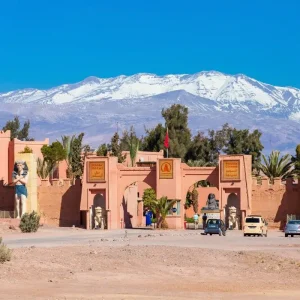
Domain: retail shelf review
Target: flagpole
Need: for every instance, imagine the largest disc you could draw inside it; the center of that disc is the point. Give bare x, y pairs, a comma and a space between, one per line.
167, 152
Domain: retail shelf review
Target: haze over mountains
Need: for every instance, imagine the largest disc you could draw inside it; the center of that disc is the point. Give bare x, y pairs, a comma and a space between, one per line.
95, 105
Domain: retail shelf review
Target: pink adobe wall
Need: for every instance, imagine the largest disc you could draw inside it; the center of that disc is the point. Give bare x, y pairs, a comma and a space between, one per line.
34, 145
143, 155
59, 204
4, 155
62, 169
275, 201
6, 197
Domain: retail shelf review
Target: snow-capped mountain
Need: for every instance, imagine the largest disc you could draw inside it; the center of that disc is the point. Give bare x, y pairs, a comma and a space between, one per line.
95, 105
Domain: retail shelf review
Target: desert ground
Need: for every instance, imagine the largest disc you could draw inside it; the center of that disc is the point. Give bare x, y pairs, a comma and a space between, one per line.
73, 263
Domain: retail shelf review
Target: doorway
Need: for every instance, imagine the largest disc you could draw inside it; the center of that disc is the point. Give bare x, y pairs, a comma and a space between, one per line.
99, 201
233, 200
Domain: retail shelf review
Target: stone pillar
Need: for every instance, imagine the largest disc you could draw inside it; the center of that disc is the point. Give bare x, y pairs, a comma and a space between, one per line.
32, 203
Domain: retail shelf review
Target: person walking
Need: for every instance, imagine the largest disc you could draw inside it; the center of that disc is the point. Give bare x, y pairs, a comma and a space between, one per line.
196, 220
204, 219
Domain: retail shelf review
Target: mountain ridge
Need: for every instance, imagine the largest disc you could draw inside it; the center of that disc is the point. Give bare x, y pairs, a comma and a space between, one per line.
95, 105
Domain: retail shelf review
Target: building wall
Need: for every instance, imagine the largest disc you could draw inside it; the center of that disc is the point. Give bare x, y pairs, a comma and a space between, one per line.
275, 201
7, 196
4, 156
59, 204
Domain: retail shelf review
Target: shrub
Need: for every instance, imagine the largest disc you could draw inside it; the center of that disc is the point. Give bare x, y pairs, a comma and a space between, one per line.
5, 253
189, 220
26, 150
30, 222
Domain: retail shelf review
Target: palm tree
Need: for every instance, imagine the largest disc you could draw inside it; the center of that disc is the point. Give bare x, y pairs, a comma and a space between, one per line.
161, 207
276, 166
44, 168
199, 163
67, 142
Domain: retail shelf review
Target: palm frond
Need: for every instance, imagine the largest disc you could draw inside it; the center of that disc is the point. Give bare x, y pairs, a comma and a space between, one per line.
276, 166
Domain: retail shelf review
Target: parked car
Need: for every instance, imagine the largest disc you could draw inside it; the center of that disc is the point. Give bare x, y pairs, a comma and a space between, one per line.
292, 228
215, 226
255, 225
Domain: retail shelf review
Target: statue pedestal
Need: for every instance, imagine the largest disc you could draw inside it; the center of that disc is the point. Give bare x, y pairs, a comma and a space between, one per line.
211, 213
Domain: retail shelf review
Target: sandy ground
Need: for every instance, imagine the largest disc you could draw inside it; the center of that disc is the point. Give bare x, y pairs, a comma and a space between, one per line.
139, 264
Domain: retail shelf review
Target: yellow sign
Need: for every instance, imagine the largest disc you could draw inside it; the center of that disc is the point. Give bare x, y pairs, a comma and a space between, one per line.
165, 169
230, 170
96, 171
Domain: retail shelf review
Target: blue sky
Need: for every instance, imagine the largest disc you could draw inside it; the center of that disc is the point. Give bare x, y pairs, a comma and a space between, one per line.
47, 43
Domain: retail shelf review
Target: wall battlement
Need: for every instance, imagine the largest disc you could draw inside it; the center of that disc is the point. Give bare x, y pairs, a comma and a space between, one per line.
275, 201
264, 184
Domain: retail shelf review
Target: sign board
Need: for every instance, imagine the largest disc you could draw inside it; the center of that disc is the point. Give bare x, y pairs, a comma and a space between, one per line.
174, 209
165, 169
230, 170
211, 215
96, 171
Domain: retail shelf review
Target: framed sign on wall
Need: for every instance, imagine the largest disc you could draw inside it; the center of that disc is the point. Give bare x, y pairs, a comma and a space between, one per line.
165, 169
230, 170
96, 171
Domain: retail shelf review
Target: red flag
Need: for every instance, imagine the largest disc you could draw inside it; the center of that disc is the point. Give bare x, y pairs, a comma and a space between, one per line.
166, 142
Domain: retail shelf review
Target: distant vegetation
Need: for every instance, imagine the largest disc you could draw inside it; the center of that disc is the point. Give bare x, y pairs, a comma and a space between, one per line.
198, 150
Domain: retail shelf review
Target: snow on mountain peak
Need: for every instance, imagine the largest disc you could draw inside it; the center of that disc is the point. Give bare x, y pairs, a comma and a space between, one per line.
226, 90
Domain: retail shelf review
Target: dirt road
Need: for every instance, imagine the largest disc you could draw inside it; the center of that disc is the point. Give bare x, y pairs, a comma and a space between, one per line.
139, 264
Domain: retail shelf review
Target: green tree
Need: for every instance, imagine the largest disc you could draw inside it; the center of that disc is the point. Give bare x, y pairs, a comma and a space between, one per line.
161, 208
216, 142
176, 118
148, 197
296, 161
276, 166
77, 159
195, 197
200, 152
116, 149
103, 150
53, 153
16, 131
244, 142
154, 139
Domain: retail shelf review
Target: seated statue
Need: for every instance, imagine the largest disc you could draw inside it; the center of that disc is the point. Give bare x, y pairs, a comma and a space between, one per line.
99, 218
232, 218
211, 202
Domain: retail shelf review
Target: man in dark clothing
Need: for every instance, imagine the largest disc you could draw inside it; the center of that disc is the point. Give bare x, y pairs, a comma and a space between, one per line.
204, 219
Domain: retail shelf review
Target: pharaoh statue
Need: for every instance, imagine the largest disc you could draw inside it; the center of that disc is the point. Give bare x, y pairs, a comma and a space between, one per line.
99, 218
211, 202
233, 218
20, 178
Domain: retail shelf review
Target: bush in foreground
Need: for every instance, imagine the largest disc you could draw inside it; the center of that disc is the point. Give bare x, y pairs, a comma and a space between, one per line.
5, 253
30, 222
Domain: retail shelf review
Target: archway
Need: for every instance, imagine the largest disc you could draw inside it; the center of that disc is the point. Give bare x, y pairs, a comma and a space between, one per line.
233, 200
99, 201
203, 188
131, 207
